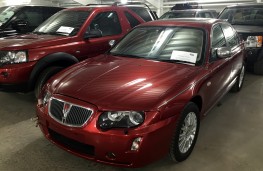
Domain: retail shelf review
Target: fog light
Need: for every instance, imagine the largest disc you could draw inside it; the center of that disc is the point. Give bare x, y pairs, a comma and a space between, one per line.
136, 144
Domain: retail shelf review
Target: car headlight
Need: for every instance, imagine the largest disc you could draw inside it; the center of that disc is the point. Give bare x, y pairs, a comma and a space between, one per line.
11, 57
120, 119
253, 41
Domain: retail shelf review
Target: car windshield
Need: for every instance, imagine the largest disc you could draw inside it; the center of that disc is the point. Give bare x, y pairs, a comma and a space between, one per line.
168, 44
243, 16
6, 13
178, 15
66, 23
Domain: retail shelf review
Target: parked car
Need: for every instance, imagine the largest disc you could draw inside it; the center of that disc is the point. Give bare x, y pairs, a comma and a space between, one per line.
22, 19
190, 13
247, 19
145, 97
186, 5
71, 35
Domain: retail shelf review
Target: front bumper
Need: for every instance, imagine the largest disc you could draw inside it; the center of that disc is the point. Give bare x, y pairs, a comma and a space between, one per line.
111, 147
15, 77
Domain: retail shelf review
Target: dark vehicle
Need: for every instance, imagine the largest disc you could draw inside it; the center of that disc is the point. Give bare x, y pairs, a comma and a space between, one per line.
70, 36
146, 96
187, 5
247, 19
190, 13
22, 19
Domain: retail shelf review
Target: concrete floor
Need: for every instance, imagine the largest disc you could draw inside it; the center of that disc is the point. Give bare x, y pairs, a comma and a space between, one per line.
230, 138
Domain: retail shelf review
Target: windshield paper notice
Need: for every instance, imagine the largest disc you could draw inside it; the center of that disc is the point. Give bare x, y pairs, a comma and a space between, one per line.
64, 29
184, 56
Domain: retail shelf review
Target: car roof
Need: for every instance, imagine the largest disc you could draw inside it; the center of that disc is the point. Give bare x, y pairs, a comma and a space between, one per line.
191, 10
191, 22
246, 5
89, 8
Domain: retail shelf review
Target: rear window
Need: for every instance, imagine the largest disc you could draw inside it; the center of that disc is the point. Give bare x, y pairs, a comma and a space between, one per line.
132, 20
178, 15
142, 12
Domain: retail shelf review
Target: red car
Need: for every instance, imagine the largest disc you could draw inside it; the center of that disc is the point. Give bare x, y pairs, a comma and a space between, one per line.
146, 96
71, 35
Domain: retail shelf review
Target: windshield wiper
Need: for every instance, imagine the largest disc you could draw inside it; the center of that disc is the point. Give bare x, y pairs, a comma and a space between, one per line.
38, 32
124, 55
175, 61
58, 33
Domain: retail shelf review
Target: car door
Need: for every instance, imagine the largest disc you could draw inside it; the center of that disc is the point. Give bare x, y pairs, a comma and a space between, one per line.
237, 52
108, 23
219, 70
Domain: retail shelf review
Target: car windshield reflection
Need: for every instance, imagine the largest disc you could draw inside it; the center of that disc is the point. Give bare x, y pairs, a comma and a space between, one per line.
65, 23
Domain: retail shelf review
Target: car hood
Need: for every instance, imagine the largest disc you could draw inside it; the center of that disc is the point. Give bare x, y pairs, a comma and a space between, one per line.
250, 30
30, 41
123, 83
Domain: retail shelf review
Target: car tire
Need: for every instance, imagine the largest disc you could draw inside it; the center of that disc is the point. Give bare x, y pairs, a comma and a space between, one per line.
186, 133
240, 80
258, 67
44, 76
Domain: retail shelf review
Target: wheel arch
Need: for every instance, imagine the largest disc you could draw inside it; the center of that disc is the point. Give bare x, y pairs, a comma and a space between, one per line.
56, 59
198, 101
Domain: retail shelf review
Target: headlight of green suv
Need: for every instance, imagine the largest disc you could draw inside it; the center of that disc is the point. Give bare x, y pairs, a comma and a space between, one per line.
120, 119
13, 57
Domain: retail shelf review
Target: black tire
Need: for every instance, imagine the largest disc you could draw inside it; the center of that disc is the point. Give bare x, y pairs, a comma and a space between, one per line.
240, 80
43, 78
177, 152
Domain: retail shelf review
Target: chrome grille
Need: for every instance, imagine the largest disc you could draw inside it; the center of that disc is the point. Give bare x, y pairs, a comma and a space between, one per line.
69, 114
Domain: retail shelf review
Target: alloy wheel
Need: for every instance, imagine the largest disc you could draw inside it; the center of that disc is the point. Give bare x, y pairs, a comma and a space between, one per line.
187, 132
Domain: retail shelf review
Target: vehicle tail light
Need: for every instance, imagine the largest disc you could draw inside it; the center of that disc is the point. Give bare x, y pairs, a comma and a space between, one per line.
253, 41
259, 41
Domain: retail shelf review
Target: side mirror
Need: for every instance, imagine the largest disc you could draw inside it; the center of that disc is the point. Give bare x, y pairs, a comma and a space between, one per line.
20, 25
111, 43
223, 52
93, 34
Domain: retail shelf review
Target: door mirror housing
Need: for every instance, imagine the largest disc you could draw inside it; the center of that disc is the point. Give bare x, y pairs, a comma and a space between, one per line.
223, 52
93, 34
20, 25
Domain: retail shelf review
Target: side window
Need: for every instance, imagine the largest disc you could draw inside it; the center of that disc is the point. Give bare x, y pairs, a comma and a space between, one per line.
208, 15
107, 22
132, 20
142, 12
215, 14
218, 40
34, 17
199, 15
231, 35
